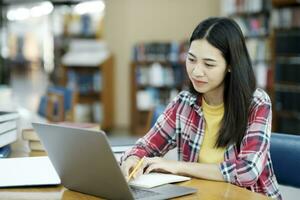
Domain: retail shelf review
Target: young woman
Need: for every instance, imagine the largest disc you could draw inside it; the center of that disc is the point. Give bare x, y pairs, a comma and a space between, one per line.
221, 126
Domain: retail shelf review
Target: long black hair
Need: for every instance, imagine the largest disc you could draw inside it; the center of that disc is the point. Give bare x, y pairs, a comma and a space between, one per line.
240, 84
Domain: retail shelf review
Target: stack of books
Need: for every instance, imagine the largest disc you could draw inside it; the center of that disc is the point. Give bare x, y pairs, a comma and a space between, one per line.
33, 140
34, 143
8, 131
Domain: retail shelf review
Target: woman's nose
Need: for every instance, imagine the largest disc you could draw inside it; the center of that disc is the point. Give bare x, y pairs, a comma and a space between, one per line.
198, 71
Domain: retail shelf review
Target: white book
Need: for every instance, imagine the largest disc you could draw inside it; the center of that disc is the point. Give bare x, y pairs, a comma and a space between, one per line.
36, 146
6, 116
30, 135
7, 126
28, 171
8, 137
156, 179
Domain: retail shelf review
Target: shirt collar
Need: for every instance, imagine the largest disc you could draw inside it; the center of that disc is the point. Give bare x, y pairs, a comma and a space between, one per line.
196, 102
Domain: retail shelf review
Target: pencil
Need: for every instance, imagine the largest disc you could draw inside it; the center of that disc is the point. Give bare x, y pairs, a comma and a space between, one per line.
136, 168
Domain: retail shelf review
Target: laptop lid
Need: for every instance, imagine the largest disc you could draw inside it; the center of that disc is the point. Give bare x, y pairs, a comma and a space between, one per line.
84, 161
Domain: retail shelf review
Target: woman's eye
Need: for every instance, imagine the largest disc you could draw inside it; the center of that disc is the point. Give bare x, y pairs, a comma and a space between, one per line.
209, 65
191, 59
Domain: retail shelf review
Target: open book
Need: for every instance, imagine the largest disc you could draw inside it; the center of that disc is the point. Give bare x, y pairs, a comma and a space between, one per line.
156, 179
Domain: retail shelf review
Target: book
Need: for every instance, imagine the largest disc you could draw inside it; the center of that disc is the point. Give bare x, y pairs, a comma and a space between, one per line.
7, 126
8, 137
7, 116
30, 135
36, 146
37, 153
156, 179
5, 151
28, 171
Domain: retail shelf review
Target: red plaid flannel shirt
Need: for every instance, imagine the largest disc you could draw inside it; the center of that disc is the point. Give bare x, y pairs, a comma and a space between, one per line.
182, 125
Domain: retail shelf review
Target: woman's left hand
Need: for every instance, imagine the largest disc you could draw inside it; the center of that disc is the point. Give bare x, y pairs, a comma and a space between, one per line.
158, 164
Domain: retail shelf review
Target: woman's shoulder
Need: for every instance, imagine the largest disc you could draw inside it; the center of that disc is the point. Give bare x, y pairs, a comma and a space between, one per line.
260, 97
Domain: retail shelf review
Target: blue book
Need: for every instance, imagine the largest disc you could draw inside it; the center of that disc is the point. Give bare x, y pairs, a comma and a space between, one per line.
5, 151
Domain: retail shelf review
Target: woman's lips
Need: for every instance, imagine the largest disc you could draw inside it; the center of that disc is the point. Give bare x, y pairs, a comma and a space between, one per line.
199, 81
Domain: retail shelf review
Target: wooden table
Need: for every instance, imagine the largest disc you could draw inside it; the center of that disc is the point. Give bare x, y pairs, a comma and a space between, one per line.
207, 190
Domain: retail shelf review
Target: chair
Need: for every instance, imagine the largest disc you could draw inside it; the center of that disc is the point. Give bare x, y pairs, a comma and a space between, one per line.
285, 155
58, 104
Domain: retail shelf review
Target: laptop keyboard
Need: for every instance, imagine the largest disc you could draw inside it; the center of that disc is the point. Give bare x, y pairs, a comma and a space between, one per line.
141, 193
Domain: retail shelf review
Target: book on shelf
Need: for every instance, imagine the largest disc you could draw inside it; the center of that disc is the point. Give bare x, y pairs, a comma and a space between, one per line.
231, 7
287, 42
7, 116
36, 146
286, 18
85, 83
253, 27
8, 137
287, 71
261, 73
149, 98
7, 126
5, 151
98, 113
86, 53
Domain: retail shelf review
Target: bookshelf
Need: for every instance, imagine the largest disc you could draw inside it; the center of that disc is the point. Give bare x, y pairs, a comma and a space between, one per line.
157, 75
69, 25
253, 17
83, 61
95, 87
286, 66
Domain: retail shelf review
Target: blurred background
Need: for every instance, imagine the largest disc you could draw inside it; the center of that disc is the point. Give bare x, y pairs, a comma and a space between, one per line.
112, 62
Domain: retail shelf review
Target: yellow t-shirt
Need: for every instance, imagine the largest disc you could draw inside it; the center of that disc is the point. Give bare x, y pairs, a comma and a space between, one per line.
213, 116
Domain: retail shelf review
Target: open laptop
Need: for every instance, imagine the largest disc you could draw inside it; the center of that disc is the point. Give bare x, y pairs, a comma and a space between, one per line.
85, 162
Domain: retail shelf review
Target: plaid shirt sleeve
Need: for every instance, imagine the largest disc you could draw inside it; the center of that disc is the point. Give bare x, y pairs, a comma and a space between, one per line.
160, 138
249, 164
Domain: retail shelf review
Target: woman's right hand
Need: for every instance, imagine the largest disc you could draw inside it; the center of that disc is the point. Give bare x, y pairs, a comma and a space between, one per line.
129, 164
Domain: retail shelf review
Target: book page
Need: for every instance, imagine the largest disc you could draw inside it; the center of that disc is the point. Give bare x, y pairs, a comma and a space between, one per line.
156, 179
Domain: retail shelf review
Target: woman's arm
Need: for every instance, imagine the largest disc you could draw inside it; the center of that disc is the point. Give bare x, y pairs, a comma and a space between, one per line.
191, 169
201, 170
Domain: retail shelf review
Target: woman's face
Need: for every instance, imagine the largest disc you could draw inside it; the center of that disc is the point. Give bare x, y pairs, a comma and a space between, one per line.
206, 67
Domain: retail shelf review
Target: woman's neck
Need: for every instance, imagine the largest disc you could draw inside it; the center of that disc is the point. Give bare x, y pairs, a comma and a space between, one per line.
214, 97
